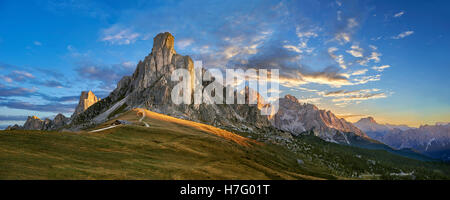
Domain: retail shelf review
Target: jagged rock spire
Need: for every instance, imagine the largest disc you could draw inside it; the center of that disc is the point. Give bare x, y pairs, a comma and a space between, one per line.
87, 99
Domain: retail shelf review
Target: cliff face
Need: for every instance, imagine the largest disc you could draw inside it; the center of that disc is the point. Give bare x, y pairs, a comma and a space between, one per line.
87, 99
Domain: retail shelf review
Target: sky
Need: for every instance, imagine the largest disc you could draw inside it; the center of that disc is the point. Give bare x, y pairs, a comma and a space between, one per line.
386, 59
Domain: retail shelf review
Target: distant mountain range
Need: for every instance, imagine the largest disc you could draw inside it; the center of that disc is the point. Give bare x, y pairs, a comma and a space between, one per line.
431, 140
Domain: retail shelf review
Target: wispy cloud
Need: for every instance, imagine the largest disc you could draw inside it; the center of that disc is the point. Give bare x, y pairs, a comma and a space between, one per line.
359, 72
107, 75
183, 43
119, 35
381, 68
403, 35
361, 97
399, 14
292, 48
355, 51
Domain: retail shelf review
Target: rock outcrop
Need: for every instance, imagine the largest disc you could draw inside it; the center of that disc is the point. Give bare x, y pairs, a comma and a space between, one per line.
87, 99
298, 118
34, 123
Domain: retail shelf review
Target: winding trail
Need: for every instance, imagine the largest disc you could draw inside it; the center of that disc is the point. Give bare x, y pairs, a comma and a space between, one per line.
140, 120
102, 129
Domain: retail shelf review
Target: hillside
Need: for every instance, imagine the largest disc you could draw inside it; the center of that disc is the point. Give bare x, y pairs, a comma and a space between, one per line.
171, 148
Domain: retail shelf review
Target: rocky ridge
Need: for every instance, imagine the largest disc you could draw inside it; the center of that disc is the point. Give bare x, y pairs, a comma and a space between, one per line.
34, 123
298, 118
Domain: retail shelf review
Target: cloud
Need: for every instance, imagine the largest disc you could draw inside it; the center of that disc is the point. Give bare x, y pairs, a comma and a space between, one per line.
53, 83
50, 107
183, 43
344, 93
15, 91
129, 64
13, 118
399, 14
351, 23
329, 76
366, 79
107, 75
381, 68
21, 75
403, 35
338, 58
37, 43
342, 37
374, 56
6, 79
355, 51
361, 97
292, 48
118, 35
310, 100
359, 72
373, 47
347, 116
343, 98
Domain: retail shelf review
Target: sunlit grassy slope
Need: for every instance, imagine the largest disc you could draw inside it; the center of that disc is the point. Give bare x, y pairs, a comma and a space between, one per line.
172, 148
169, 149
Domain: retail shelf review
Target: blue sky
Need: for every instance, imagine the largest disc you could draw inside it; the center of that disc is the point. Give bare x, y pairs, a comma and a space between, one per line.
386, 59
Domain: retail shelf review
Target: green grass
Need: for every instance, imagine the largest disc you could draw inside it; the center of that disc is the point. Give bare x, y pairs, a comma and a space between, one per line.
162, 151
168, 150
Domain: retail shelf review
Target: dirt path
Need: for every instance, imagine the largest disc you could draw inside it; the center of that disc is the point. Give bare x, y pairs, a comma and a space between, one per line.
140, 120
102, 129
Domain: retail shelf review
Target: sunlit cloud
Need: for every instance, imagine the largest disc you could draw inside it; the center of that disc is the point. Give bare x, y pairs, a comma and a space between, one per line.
355, 51
359, 72
338, 58
366, 79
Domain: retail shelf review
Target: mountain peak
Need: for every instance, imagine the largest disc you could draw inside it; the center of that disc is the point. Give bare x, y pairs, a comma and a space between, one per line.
164, 41
34, 117
87, 99
290, 97
367, 120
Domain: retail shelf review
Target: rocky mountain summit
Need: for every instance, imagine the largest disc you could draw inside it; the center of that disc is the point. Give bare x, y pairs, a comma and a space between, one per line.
34, 123
298, 118
87, 99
